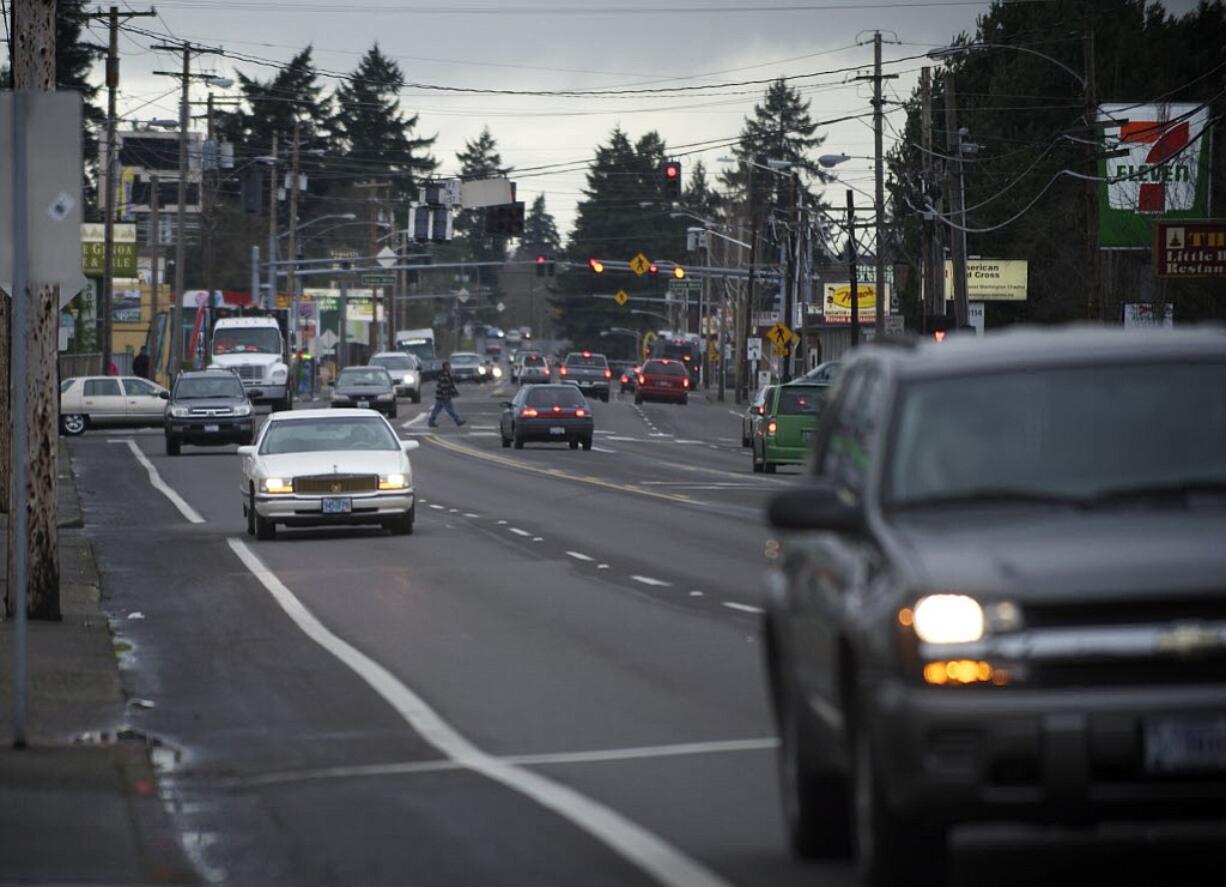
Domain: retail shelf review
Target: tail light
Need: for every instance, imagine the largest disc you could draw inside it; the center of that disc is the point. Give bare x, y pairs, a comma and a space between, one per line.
772, 426
761, 411
640, 380
685, 383
625, 380
562, 371
528, 412
608, 374
580, 413
556, 408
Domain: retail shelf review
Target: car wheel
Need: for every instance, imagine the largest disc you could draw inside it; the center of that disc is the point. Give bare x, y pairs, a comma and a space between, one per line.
746, 441
816, 807
265, 530
506, 443
757, 466
890, 849
685, 400
574, 444
769, 467
587, 443
172, 446
519, 442
250, 509
74, 424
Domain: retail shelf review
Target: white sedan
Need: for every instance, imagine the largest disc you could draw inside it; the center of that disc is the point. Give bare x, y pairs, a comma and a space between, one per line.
114, 401
326, 467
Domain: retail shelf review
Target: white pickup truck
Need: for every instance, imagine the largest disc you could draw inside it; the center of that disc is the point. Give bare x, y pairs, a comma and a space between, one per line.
253, 347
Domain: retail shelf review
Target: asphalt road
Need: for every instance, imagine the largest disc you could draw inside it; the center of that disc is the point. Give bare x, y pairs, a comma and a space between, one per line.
556, 679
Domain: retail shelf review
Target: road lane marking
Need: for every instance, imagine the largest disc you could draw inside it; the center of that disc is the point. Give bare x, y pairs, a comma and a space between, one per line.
160, 485
603, 450
735, 413
641, 848
744, 608
437, 507
471, 514
648, 580
579, 556
518, 532
695, 594
418, 418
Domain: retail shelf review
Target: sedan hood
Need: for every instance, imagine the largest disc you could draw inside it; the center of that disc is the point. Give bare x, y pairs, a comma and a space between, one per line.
334, 462
1041, 553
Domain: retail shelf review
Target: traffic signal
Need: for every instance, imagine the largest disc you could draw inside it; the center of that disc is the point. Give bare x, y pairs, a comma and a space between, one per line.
672, 178
653, 268
596, 265
679, 272
505, 219
540, 266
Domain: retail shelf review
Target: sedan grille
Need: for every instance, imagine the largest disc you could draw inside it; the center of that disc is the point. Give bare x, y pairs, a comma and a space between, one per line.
332, 484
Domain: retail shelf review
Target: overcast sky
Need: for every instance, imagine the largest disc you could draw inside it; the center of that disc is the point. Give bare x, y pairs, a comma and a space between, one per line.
568, 44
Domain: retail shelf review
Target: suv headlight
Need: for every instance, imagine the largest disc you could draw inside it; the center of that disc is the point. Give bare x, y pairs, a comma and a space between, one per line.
279, 374
393, 481
180, 412
388, 396
947, 619
243, 410
410, 377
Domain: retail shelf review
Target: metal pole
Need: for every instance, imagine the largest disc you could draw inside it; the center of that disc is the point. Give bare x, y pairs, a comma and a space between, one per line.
953, 140
851, 268
343, 323
18, 551
176, 311
108, 219
291, 252
789, 282
880, 195
155, 245
723, 326
255, 275
271, 300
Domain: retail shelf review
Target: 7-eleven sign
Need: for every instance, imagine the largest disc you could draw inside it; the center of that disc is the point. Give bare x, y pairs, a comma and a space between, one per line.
1165, 173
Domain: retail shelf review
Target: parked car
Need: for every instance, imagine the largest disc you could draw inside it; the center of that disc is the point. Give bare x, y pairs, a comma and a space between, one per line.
558, 413
755, 411
663, 380
110, 401
998, 593
327, 467
787, 426
367, 387
405, 370
208, 408
590, 372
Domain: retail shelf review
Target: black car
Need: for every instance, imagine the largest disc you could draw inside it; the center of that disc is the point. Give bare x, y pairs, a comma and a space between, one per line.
208, 408
368, 386
547, 412
999, 594
625, 374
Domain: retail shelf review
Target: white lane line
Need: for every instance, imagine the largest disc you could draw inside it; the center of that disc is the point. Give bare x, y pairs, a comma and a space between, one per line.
631, 439
744, 608
660, 434
603, 450
192, 515
579, 556
483, 434
502, 523
420, 417
437, 507
485, 428
648, 580
699, 442
602, 566
695, 594
735, 413
649, 852
538, 538
646, 751
518, 532
471, 514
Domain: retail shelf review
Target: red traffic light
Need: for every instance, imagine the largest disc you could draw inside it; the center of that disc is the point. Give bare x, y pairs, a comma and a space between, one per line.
540, 260
596, 265
672, 170
653, 268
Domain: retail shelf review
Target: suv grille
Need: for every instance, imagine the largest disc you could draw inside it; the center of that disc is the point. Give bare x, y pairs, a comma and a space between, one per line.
332, 484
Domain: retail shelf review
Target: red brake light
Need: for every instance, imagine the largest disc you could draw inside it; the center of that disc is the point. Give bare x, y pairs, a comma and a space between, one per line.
608, 374
529, 412
587, 354
556, 408
685, 383
581, 413
562, 371
625, 380
640, 378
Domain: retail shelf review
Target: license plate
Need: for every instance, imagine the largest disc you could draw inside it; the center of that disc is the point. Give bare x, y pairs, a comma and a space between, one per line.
337, 505
665, 384
364, 404
556, 430
1185, 744
212, 428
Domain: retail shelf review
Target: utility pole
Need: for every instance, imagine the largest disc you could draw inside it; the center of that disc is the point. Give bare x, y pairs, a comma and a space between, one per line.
746, 312
933, 259
953, 141
879, 164
291, 253
852, 270
789, 283
1094, 304
272, 227
372, 340
155, 249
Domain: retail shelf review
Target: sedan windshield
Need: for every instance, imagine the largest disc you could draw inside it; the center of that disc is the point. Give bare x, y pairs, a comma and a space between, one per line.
328, 434
363, 376
1063, 434
465, 360
190, 387
800, 401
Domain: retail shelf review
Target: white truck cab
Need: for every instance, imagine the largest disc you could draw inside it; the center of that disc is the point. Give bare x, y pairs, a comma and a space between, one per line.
253, 347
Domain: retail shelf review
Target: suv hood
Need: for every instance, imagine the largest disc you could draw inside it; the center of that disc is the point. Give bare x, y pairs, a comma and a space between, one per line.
1038, 553
198, 403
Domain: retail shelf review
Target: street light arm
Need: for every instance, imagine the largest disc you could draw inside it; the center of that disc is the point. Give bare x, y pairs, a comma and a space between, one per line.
948, 51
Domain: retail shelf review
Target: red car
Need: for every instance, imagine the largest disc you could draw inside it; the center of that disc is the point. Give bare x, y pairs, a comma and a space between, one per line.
663, 379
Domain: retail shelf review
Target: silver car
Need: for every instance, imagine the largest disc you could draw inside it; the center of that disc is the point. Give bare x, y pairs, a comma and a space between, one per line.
405, 370
327, 467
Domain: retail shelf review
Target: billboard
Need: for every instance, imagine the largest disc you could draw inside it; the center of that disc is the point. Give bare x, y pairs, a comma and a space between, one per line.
991, 280
836, 302
93, 252
1190, 249
1163, 175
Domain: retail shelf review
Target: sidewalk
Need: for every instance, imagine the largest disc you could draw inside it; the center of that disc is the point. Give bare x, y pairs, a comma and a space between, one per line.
80, 804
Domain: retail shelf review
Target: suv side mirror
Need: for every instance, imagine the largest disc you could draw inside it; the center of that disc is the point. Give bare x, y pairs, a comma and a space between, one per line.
814, 507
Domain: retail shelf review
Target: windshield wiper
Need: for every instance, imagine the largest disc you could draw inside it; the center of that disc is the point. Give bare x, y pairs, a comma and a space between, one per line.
1003, 496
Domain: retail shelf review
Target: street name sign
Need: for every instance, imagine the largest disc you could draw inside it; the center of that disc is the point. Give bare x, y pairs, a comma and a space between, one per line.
376, 279
1194, 249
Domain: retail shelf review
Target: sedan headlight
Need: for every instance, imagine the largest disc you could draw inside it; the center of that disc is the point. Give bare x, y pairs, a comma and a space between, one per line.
388, 396
393, 482
497, 372
180, 412
947, 619
278, 485
279, 374
410, 377
243, 410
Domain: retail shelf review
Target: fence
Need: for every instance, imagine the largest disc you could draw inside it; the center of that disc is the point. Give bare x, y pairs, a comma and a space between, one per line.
90, 364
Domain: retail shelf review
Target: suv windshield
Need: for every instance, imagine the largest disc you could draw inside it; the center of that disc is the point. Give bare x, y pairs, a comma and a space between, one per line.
1064, 433
191, 387
422, 349
465, 360
251, 340
363, 376
395, 361
322, 435
586, 360
800, 401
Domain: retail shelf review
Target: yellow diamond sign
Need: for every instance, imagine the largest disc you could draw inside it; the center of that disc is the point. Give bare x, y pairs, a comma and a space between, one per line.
621, 298
781, 335
640, 264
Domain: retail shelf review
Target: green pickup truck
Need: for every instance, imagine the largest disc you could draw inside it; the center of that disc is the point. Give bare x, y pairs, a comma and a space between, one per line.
786, 429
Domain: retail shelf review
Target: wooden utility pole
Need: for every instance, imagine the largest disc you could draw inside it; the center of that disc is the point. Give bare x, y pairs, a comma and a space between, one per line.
291, 249
155, 257
879, 200
953, 187
1094, 305
34, 507
852, 271
933, 259
375, 188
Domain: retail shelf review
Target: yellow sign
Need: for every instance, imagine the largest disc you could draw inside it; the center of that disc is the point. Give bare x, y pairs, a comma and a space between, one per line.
781, 335
836, 304
712, 351
989, 280
282, 300
621, 298
640, 264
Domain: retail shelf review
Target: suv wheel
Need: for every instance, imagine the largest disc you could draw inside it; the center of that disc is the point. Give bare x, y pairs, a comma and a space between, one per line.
890, 849
172, 446
815, 805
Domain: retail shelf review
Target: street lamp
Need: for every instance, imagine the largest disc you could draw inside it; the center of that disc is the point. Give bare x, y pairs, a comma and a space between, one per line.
952, 51
347, 216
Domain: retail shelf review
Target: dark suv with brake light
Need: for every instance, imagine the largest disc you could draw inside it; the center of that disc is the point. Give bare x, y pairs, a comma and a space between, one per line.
1001, 593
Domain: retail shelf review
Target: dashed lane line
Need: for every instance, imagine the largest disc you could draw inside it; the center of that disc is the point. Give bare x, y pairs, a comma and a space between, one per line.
648, 580
580, 556
744, 608
603, 450
642, 848
155, 478
518, 532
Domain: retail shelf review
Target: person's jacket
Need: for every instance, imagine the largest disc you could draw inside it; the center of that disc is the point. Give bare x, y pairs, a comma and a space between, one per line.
444, 388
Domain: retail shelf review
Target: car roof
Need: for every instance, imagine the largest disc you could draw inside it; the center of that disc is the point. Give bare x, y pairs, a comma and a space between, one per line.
211, 371
1019, 347
334, 413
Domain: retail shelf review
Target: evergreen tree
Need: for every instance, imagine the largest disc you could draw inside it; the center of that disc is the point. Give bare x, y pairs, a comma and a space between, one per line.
480, 159
540, 231
376, 136
272, 107
699, 196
